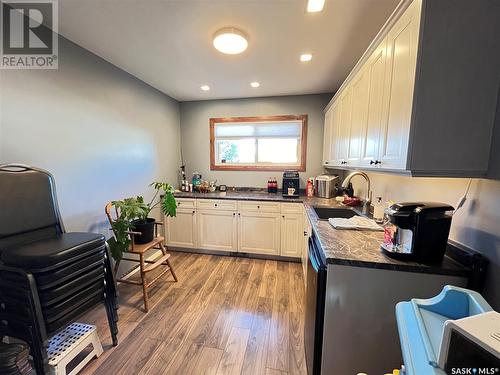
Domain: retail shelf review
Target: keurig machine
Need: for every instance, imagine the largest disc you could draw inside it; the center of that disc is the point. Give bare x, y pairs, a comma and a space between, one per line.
291, 184
417, 231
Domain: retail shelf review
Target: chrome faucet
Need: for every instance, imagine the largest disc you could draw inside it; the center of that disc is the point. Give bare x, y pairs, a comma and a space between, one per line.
368, 198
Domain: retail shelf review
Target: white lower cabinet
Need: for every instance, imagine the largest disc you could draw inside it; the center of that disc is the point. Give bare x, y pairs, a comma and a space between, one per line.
259, 232
291, 235
217, 230
267, 228
181, 230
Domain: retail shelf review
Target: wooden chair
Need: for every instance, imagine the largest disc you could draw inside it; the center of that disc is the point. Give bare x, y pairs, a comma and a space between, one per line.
146, 265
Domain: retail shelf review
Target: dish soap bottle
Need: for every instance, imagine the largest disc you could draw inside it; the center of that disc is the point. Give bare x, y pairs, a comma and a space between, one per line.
378, 210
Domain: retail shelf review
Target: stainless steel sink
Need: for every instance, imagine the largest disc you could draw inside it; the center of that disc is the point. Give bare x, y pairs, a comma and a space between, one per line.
324, 213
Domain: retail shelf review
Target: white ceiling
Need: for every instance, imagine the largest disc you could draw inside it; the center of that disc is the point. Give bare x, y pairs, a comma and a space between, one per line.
168, 43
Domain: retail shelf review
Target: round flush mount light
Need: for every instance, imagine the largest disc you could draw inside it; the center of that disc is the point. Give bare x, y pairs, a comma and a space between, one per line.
254, 84
230, 41
205, 87
305, 57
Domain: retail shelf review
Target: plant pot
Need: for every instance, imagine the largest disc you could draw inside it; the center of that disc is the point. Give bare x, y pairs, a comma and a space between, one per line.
146, 228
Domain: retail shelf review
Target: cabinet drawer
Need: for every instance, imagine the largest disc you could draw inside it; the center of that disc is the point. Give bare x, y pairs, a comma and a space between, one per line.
258, 206
292, 208
186, 203
217, 204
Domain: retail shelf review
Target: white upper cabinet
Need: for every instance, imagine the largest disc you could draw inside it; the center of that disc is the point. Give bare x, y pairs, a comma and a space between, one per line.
401, 52
413, 100
344, 128
327, 138
375, 70
360, 90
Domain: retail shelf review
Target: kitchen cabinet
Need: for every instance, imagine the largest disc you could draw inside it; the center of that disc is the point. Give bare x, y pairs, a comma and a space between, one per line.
375, 70
332, 121
401, 52
259, 232
413, 104
359, 117
327, 137
224, 225
181, 230
344, 128
217, 230
292, 234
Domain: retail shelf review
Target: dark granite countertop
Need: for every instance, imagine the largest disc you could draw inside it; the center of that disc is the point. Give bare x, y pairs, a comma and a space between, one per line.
246, 195
360, 248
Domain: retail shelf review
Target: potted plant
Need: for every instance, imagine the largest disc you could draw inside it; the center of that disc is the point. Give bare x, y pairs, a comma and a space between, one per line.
134, 216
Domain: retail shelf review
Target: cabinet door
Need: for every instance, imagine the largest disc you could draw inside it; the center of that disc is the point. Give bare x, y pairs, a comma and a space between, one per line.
217, 230
375, 68
344, 129
292, 235
259, 232
402, 42
359, 115
334, 133
327, 137
181, 230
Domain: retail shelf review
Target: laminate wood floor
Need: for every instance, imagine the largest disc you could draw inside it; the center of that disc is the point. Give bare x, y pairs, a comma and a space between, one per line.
226, 315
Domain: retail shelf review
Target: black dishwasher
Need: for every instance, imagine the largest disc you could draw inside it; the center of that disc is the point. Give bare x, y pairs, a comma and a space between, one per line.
315, 307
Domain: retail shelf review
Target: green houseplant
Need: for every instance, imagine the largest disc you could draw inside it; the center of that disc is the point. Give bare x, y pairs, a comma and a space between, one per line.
134, 216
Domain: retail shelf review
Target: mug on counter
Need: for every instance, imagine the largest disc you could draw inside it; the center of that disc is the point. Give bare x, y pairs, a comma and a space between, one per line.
291, 191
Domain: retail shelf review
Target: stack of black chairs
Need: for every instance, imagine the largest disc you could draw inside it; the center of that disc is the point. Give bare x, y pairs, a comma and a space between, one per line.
48, 278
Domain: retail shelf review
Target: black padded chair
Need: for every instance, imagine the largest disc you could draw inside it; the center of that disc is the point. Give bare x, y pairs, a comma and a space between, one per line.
48, 277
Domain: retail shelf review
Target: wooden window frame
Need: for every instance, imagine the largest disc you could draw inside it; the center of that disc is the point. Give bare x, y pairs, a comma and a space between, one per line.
275, 167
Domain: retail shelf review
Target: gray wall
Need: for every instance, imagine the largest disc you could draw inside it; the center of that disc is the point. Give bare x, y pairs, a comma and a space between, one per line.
103, 133
196, 137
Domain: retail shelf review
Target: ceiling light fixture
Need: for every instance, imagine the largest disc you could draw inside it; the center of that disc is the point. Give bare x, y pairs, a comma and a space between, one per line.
205, 87
305, 57
255, 84
315, 5
230, 41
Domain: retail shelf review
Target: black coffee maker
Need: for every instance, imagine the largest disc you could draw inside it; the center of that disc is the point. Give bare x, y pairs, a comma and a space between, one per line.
291, 184
417, 231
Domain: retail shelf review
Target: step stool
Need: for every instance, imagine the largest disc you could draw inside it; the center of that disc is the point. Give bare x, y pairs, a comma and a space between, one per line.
69, 343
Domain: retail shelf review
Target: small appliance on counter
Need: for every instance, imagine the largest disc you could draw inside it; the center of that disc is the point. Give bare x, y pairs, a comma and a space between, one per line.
291, 184
325, 184
417, 231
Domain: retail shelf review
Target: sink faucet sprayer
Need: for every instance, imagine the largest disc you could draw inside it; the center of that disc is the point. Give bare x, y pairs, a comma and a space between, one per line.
368, 198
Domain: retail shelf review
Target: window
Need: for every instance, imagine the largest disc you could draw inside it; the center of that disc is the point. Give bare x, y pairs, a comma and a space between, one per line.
258, 143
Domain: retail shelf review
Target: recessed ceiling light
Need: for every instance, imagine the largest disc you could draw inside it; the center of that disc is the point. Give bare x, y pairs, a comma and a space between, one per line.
205, 87
255, 84
315, 5
230, 41
306, 57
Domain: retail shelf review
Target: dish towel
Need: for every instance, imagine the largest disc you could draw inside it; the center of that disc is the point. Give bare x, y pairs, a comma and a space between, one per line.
356, 222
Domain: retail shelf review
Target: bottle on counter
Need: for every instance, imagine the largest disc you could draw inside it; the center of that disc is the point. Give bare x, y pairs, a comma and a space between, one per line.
378, 210
310, 187
349, 191
269, 186
275, 185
